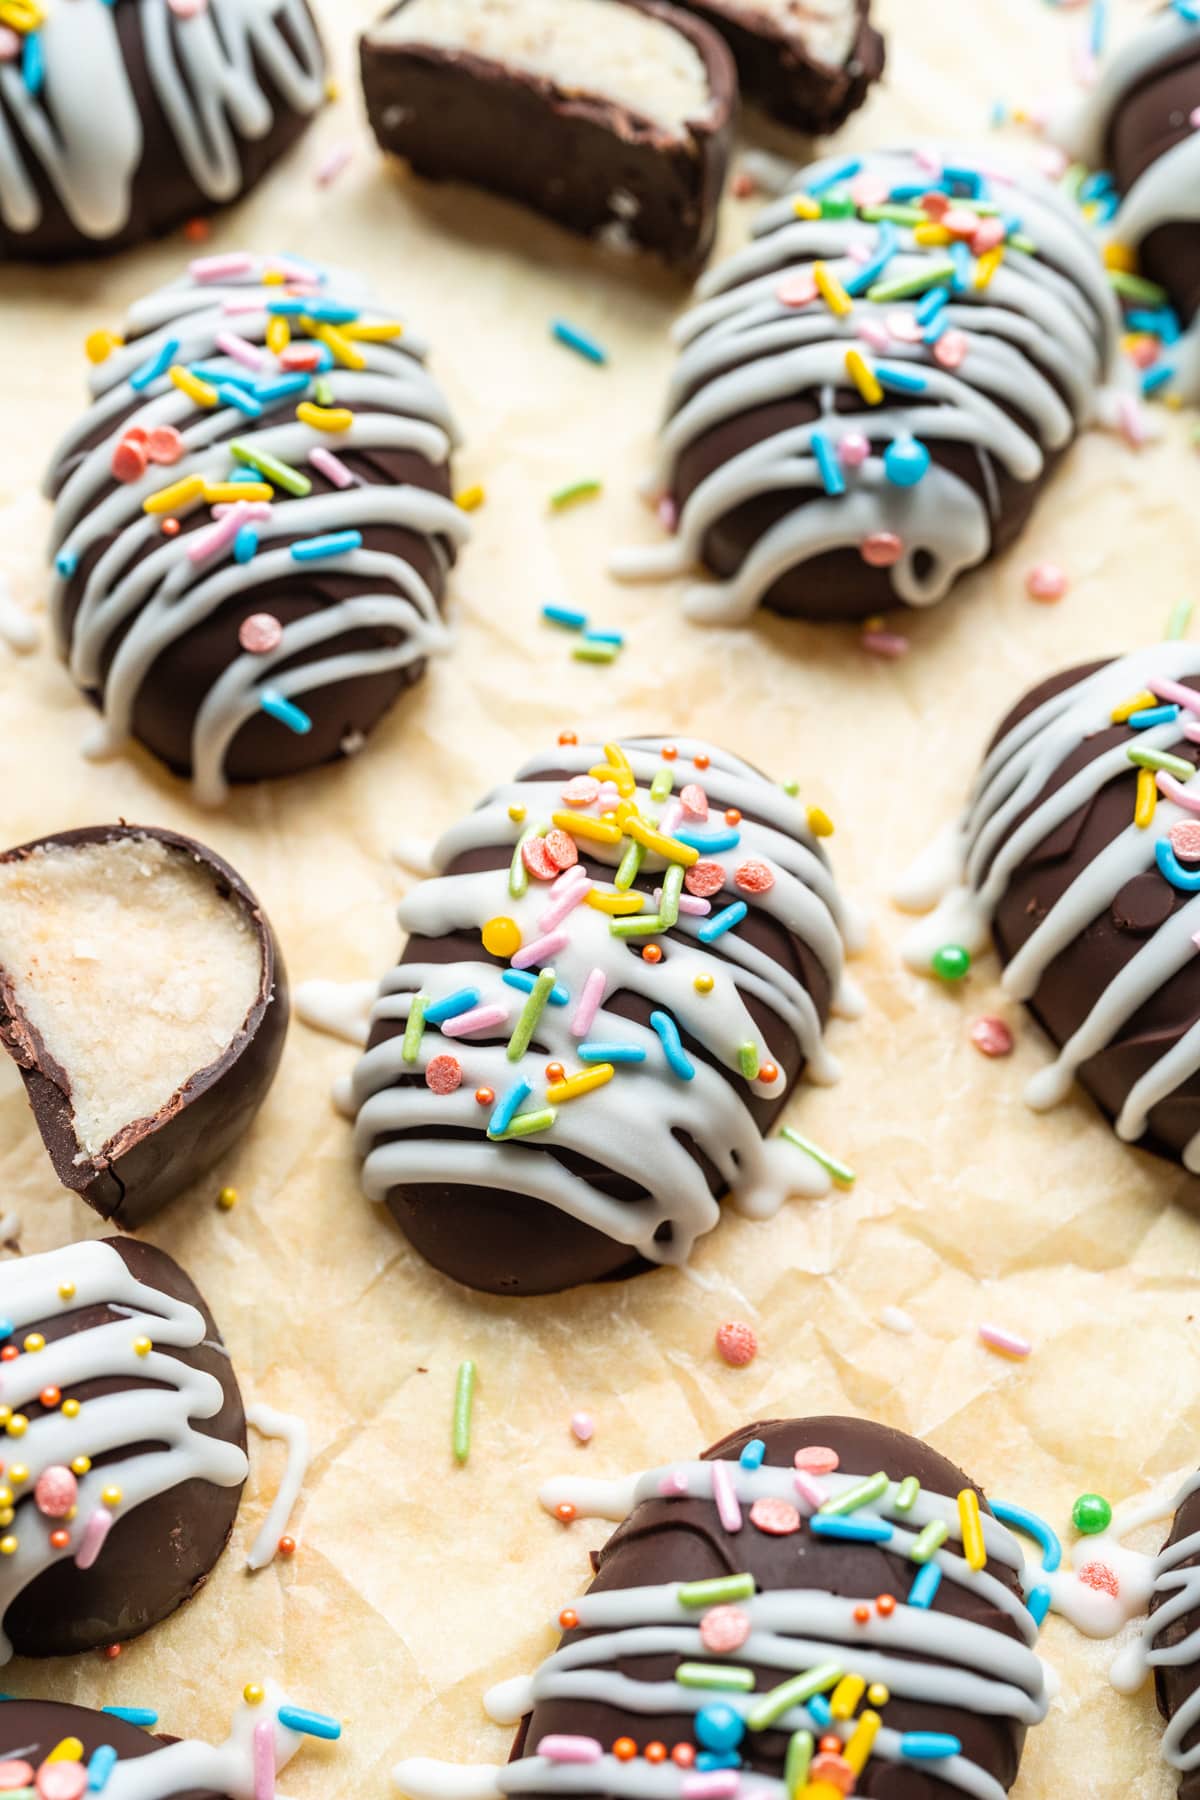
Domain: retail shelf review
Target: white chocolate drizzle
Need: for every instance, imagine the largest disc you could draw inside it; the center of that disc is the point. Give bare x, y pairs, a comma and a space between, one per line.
1037, 337
294, 1433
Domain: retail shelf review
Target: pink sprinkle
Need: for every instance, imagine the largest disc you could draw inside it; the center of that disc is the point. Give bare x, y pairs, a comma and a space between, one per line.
869, 190
888, 644
300, 358
736, 1343
688, 903
873, 333
235, 304
333, 468
927, 161
129, 460
905, 327
565, 902
10, 44
959, 222
264, 1760
717, 1784
205, 544
743, 186
992, 1036
853, 449
589, 1004
581, 790
165, 445
725, 1628
56, 1491
935, 205
1046, 582
950, 351
881, 549
333, 165
1133, 425
725, 1497
609, 797
220, 268
1007, 1342
1185, 840
705, 878
809, 1489
571, 874
583, 1427
480, 1018
256, 511
1170, 789
777, 1518
562, 848
240, 349
674, 1485
989, 234
694, 801
797, 290
1175, 692
541, 950
94, 1534
1052, 162
260, 634
754, 877
558, 1747
819, 1459
61, 1781
668, 514
1194, 118
444, 1075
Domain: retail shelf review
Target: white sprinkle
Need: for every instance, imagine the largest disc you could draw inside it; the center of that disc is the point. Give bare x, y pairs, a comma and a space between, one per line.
1006, 1342
896, 1319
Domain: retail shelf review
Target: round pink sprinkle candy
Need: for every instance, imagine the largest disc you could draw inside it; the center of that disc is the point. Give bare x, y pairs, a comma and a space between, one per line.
853, 449
583, 1427
136, 434
869, 190
817, 1459
260, 634
57, 1491
736, 1343
754, 878
1045, 581
935, 205
129, 460
724, 1629
872, 332
796, 290
778, 1518
443, 1075
950, 351
561, 848
61, 1781
581, 790
165, 444
15, 1775
960, 223
694, 801
10, 49
992, 1036
537, 859
881, 549
905, 327
704, 878
988, 235
1185, 840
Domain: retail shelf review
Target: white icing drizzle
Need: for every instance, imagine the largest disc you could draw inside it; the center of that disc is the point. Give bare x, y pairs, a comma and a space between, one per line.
965, 873
17, 629
294, 1433
626, 1126
84, 132
31, 1292
1045, 321
151, 583
190, 1766
966, 1664
342, 1008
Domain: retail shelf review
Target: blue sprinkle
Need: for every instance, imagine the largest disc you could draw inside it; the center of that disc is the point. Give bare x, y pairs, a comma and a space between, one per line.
312, 1724
1157, 377
960, 256
819, 1711
211, 371
843, 171
930, 305
574, 339
288, 308
508, 1108
856, 1531
330, 312
1039, 1604
461, 1001
605, 637
6, 1329
1170, 866
245, 544
65, 564
753, 1454
33, 63
925, 1587
864, 277
334, 543
277, 706
906, 462
132, 1715
1095, 186
709, 843
519, 978
937, 325
668, 1034
722, 922
229, 395
281, 387
1099, 27
1153, 715
831, 474
101, 1766
928, 1746
970, 180
708, 1760
565, 615
246, 476
157, 366
900, 381
1019, 1518
906, 191
613, 1053
1189, 10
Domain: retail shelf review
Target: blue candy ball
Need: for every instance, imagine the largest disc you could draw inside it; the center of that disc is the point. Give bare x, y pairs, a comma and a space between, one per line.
719, 1727
906, 461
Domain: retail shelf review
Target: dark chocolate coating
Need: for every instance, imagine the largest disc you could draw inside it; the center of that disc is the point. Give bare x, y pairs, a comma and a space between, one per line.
778, 73
1175, 1685
39, 1726
457, 116
1153, 117
1075, 979
682, 1540
159, 1554
501, 1242
153, 1160
163, 192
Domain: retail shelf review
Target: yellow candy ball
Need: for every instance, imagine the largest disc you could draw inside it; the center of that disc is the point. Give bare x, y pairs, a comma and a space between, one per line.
143, 1346
704, 984
819, 822
878, 1695
516, 814
70, 1409
19, 1473
66, 1290
253, 1694
79, 1466
502, 937
17, 1426
112, 1496
35, 1342
7, 1515
227, 1199
8, 1546
99, 345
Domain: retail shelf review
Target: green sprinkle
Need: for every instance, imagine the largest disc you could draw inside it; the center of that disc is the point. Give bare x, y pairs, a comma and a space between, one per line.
715, 1675
791, 789
748, 1060
722, 1590
838, 206
628, 866
895, 215
672, 888
951, 962
574, 490
841, 1172
799, 1757
1181, 614
1019, 241
639, 925
526, 1124
662, 785
531, 1012
590, 652
1136, 287
464, 1397
1074, 179
791, 1693
906, 1494
323, 392
518, 874
1091, 1514
281, 474
410, 1048
1178, 766
905, 286
930, 1541
861, 1494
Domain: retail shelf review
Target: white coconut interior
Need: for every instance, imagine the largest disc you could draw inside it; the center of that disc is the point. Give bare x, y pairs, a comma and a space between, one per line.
131, 966
826, 28
589, 47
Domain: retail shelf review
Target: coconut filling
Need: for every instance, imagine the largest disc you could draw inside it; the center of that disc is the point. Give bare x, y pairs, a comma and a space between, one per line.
828, 29
133, 966
613, 53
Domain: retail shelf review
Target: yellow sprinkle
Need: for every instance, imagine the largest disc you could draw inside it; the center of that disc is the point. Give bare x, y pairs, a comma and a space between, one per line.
79, 1466
142, 1346
8, 1546
22, 15
384, 333
1173, 401
616, 756
974, 1548
253, 1694
1127, 708
667, 847
846, 1695
987, 264
7, 1515
200, 393
70, 1750
178, 495
70, 1409
831, 291
858, 1744
6, 1497
878, 1695
17, 1426
502, 937
99, 345
5, 1414
819, 822
337, 341
805, 207
1147, 799
18, 1473
579, 825
227, 493
112, 1496
470, 499
1120, 256
325, 418
227, 1199
622, 779
66, 1290
704, 984
863, 376
931, 234
274, 278
35, 1342
516, 814
580, 1084
279, 334
820, 1790
618, 906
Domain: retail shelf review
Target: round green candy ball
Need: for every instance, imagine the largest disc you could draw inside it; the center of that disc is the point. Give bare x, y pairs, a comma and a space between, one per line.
951, 962
1091, 1514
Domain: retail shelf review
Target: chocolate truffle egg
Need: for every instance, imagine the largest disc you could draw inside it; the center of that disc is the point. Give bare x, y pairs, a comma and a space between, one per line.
823, 1603
871, 396
809, 67
253, 523
120, 118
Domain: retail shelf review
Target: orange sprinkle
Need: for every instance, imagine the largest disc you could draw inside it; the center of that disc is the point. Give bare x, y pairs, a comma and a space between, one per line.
669, 752
485, 1095
59, 1540
684, 1755
652, 953
831, 1746
568, 1618
555, 1072
624, 1749
655, 1752
768, 1072
111, 1652
567, 737
733, 816
885, 1605
701, 761
197, 231
171, 527
565, 1511
862, 1615
9, 1353
50, 1396
286, 1546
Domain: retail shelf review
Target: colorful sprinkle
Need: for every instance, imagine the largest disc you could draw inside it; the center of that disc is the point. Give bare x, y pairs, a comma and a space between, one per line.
736, 1343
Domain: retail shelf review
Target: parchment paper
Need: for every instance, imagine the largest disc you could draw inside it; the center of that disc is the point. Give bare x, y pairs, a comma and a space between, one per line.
417, 1583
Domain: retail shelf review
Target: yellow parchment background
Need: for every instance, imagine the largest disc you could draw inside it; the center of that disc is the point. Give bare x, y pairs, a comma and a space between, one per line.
418, 1583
